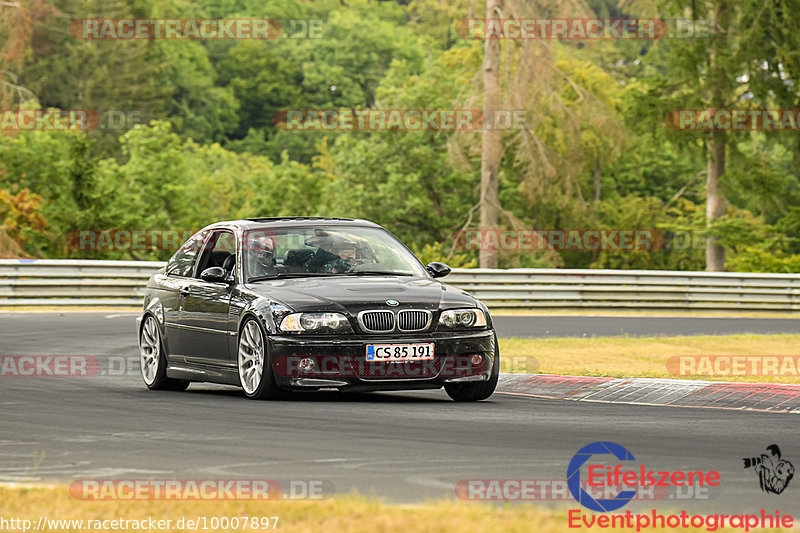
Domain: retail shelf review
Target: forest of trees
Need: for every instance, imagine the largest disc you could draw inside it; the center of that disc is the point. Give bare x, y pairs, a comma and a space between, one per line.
188, 134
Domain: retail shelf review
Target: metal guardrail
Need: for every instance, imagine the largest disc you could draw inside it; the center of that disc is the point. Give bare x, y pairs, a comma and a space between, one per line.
44, 283
55, 282
630, 289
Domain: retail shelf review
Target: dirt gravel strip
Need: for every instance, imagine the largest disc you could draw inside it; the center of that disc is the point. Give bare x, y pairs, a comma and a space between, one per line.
770, 397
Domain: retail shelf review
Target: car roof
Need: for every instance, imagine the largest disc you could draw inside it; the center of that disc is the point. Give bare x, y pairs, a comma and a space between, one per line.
273, 222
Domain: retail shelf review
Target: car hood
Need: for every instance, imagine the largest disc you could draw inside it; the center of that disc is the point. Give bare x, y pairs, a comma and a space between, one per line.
354, 294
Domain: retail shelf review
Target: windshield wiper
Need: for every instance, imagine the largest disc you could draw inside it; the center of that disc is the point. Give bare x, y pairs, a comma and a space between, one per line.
376, 273
284, 275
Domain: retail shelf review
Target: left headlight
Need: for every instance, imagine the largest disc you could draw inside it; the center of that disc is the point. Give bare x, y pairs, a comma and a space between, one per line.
462, 318
315, 322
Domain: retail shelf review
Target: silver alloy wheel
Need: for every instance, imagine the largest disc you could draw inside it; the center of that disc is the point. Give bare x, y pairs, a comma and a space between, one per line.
149, 349
251, 357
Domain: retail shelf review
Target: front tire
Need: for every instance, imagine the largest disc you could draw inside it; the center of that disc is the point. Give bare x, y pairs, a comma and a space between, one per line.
255, 366
153, 362
478, 390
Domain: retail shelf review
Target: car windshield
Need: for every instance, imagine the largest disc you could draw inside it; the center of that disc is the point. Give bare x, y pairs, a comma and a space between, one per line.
326, 251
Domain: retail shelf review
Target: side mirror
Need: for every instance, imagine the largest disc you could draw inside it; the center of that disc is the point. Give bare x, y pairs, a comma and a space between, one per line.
438, 270
213, 274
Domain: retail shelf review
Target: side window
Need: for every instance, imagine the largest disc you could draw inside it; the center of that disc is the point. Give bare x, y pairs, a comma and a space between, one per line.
226, 243
218, 251
182, 262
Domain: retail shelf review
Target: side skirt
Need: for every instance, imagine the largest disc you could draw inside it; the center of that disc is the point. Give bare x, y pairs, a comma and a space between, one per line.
206, 373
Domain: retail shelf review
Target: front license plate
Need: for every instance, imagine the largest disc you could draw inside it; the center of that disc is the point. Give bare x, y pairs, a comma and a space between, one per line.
400, 352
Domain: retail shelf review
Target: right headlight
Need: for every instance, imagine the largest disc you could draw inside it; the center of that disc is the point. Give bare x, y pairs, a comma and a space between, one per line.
315, 322
462, 318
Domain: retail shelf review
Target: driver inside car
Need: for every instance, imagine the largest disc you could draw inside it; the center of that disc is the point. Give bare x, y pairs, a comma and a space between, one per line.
343, 259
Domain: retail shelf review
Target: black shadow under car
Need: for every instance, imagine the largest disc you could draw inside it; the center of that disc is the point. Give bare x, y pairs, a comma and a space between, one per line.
274, 305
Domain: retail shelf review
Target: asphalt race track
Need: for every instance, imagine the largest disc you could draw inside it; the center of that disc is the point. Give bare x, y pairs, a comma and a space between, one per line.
404, 447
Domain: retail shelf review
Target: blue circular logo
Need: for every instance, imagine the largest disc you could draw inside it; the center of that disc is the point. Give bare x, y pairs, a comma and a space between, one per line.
574, 476
393, 303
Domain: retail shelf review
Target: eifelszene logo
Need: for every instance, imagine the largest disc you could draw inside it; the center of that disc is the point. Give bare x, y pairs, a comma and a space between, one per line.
574, 476
600, 475
774, 473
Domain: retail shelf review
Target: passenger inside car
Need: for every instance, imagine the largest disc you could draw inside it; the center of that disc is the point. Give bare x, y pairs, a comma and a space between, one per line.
261, 257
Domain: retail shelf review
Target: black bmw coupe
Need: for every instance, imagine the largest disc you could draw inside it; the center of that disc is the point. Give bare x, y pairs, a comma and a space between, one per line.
275, 305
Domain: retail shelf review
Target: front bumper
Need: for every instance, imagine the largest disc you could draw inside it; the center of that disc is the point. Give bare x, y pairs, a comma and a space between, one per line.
340, 361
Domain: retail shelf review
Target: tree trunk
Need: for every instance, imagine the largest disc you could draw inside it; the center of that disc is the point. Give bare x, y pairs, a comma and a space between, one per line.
718, 85
715, 201
491, 146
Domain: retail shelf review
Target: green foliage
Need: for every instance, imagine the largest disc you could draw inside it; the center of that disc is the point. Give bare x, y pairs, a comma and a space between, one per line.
753, 259
55, 167
673, 231
406, 180
99, 75
20, 221
444, 253
598, 155
263, 82
197, 107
